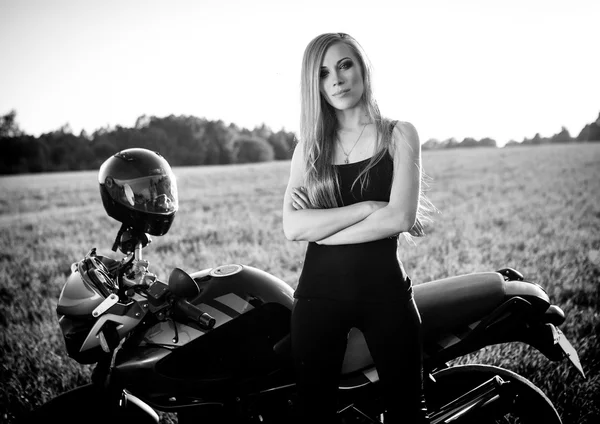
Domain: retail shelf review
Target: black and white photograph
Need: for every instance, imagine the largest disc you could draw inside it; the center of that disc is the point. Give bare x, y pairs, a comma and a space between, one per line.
315, 212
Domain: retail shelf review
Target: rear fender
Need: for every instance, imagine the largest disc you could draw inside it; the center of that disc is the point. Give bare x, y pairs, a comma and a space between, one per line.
503, 325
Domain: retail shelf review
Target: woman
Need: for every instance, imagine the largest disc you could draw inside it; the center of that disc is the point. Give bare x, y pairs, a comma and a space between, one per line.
354, 186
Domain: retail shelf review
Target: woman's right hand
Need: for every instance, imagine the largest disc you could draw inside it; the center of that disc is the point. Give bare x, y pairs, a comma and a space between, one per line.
300, 199
303, 221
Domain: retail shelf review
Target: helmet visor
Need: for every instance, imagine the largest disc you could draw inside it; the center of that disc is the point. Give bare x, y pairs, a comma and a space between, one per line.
154, 194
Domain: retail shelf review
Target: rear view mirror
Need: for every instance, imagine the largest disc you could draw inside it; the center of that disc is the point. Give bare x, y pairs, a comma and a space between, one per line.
182, 285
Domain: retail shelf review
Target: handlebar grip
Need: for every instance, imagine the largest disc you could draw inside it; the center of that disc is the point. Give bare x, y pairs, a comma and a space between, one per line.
194, 313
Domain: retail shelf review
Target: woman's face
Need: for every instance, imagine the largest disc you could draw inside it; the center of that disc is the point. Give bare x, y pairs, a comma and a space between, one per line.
341, 80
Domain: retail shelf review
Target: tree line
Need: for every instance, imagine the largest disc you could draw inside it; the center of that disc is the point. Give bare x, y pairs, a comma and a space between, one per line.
187, 141
182, 140
590, 132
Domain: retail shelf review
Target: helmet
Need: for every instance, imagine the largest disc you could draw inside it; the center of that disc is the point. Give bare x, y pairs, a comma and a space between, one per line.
138, 189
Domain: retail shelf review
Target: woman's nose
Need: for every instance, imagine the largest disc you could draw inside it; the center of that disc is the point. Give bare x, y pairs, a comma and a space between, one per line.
338, 80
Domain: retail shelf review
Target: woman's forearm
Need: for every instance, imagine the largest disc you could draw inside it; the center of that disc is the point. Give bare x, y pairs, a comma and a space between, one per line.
382, 223
317, 224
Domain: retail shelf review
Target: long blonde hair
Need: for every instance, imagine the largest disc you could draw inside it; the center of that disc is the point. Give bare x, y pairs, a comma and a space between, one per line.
318, 123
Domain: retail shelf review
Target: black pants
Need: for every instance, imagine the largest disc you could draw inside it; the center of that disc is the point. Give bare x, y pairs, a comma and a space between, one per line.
392, 331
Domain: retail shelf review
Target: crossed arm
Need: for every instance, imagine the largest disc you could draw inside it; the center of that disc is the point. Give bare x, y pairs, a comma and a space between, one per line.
364, 221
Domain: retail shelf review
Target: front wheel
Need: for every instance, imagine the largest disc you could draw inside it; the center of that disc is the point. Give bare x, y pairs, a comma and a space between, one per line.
528, 405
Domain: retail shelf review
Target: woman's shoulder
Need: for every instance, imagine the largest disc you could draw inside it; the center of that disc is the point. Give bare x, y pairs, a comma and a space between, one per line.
298, 148
298, 156
404, 133
402, 127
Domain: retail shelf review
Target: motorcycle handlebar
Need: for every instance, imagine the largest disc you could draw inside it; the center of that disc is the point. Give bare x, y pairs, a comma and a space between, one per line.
194, 313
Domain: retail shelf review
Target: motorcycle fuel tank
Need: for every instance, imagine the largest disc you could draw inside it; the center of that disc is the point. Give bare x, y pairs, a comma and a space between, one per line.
252, 309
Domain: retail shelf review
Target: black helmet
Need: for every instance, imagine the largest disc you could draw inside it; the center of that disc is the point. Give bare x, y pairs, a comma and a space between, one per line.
138, 188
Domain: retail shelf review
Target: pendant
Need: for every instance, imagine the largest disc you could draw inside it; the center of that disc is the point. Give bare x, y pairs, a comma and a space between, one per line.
346, 160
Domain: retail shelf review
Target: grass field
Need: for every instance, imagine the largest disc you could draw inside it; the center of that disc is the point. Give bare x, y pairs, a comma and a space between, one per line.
536, 209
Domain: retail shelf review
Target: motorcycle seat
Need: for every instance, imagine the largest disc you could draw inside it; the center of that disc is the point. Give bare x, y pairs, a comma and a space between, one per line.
451, 303
448, 307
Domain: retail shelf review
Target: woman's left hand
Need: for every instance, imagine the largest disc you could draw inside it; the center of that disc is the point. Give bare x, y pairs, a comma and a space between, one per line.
300, 199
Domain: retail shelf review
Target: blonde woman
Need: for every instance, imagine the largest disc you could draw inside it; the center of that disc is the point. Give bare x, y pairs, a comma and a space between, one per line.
354, 187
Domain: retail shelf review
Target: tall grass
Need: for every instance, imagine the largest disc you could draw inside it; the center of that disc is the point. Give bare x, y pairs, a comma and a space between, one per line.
536, 209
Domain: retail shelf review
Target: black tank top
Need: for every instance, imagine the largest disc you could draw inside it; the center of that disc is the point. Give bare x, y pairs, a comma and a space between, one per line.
368, 271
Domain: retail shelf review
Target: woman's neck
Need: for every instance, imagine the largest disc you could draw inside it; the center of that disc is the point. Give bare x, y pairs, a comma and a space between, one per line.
351, 119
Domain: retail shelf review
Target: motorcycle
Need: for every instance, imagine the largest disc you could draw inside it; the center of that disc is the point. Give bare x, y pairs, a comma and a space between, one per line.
213, 346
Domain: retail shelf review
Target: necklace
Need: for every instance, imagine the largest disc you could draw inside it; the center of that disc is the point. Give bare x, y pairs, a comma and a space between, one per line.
347, 160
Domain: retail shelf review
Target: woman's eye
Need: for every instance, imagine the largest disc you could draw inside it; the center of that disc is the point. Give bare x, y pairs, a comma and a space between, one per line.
323, 74
346, 65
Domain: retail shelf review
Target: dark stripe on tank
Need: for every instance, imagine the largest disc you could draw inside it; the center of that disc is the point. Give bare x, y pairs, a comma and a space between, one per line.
223, 308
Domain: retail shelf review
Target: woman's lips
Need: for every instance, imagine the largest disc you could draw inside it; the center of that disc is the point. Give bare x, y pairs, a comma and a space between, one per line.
341, 93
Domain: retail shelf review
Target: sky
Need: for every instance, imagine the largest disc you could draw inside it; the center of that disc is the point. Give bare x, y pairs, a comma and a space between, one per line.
500, 69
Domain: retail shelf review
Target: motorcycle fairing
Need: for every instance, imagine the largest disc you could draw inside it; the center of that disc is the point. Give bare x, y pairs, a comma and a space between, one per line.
128, 318
252, 309
78, 298
163, 334
241, 348
237, 357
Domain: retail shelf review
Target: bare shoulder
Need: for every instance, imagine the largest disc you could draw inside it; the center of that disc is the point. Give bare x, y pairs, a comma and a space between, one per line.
297, 165
405, 137
298, 155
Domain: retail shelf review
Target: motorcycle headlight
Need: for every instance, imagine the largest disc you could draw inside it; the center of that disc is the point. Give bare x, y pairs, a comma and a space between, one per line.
86, 288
